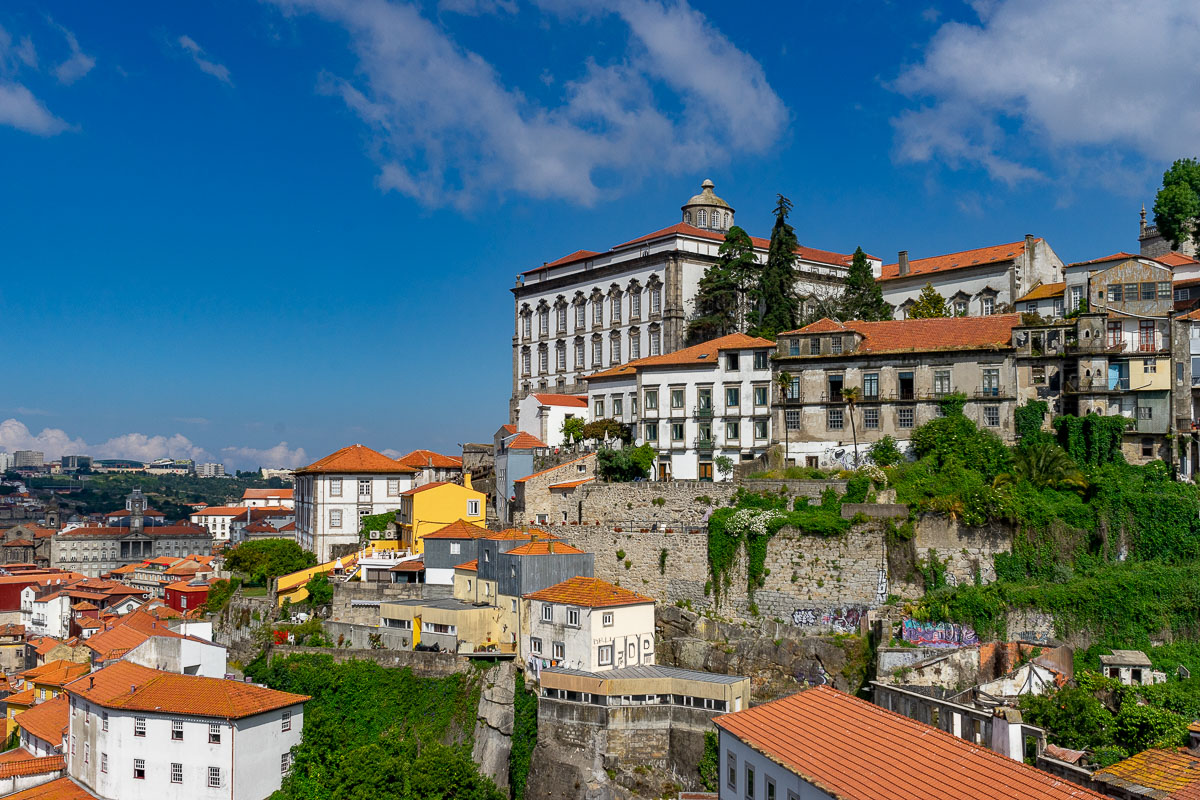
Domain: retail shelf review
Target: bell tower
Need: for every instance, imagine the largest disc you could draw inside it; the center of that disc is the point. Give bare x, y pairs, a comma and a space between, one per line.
137, 510
707, 211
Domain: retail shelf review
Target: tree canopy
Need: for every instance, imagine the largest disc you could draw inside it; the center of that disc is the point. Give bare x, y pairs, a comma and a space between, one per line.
777, 308
626, 464
928, 304
320, 590
863, 296
266, 559
1177, 204
721, 296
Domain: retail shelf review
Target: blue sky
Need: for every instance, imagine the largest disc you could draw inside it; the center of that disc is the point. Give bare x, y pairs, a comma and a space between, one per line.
255, 232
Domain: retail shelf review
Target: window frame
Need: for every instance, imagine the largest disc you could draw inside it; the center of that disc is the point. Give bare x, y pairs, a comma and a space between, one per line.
139, 765
176, 772
139, 727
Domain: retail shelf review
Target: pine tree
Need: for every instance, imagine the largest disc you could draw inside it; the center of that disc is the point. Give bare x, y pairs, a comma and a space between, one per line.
777, 306
863, 297
928, 304
721, 296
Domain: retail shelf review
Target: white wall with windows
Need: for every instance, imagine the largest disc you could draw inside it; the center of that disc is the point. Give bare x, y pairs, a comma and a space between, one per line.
590, 639
746, 774
329, 506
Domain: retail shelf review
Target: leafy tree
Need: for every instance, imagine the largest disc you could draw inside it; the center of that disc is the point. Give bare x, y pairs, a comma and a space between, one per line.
885, 452
320, 591
219, 594
928, 304
1044, 465
626, 464
863, 296
724, 465
606, 429
1177, 204
957, 440
572, 430
721, 295
777, 306
851, 396
264, 560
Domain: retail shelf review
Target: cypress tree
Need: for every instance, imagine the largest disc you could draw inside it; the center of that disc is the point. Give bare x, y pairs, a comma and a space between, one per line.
928, 304
863, 296
721, 294
777, 306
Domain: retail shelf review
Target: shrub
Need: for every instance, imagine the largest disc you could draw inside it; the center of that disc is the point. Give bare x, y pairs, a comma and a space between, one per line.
885, 452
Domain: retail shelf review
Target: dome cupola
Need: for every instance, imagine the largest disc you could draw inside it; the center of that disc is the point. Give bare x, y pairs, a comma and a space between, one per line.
708, 211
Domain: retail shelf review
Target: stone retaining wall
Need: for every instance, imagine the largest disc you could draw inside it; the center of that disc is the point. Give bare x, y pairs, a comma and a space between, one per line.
425, 665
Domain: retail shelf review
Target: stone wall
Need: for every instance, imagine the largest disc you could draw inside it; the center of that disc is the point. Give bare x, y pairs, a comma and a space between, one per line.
794, 487
425, 665
666, 503
535, 498
345, 595
360, 636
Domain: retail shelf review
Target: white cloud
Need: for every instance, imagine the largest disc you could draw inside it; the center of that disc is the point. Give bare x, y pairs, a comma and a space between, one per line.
449, 130
21, 110
77, 64
279, 456
390, 453
51, 441
1074, 80
206, 65
141, 447
475, 8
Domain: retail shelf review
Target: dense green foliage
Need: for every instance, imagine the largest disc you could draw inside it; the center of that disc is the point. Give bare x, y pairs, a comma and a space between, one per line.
862, 297
266, 559
219, 594
885, 452
627, 464
169, 494
320, 590
710, 762
524, 737
928, 304
607, 429
722, 293
376, 522
1177, 204
1028, 421
776, 306
572, 430
1092, 440
955, 440
1043, 464
372, 733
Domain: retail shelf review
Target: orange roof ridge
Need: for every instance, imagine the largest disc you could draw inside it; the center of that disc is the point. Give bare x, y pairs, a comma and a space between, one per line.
471, 566
589, 593
702, 354
918, 335
948, 261
355, 458
423, 459
545, 548
58, 789
459, 529
574, 400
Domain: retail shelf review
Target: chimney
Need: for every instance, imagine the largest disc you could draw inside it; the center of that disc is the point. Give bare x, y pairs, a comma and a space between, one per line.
1029, 243
467, 480
91, 683
902, 263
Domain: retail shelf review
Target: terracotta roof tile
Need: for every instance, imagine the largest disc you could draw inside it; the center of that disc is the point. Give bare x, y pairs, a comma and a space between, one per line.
855, 750
12, 629
61, 789
1161, 770
169, 693
551, 469
1121, 256
923, 335
355, 459
23, 698
19, 543
521, 534
56, 673
31, 765
1176, 259
124, 512
806, 253
185, 586
570, 400
960, 260
459, 530
1044, 291
415, 565
578, 255
570, 484
268, 494
470, 566
149, 530
703, 354
425, 488
526, 441
544, 548
423, 459
590, 593
47, 720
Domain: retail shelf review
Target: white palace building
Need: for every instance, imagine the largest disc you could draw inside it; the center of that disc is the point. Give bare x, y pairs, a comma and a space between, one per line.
591, 311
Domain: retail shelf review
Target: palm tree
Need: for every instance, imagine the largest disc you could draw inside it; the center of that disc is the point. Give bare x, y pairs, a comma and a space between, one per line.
851, 396
1043, 464
784, 379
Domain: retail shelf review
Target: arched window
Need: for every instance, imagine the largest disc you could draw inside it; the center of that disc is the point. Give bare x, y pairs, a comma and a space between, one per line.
726, 225
701, 219
687, 217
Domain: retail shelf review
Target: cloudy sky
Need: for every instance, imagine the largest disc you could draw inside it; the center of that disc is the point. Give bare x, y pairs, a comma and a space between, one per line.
254, 232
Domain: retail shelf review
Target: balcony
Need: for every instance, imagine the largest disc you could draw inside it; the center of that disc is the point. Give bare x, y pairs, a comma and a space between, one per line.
704, 445
703, 412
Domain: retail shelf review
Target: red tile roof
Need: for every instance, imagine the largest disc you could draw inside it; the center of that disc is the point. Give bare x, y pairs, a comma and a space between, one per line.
526, 441
47, 720
268, 494
416, 565
578, 255
12, 629
855, 750
1176, 259
545, 548
124, 512
1163, 771
589, 593
521, 534
185, 586
55, 673
21, 762
1121, 256
571, 400
425, 488
60, 789
470, 566
570, 484
551, 469
149, 530
702, 355
960, 260
423, 459
19, 543
355, 459
459, 530
135, 688
923, 335
1044, 291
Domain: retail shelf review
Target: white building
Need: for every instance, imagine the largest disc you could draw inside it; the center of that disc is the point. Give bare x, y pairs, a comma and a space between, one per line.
542, 414
974, 283
217, 520
591, 310
28, 458
210, 470
262, 498
49, 614
588, 624
141, 734
334, 493
6, 461
693, 405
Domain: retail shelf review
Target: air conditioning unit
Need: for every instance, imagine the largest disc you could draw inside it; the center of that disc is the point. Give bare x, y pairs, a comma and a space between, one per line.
375, 534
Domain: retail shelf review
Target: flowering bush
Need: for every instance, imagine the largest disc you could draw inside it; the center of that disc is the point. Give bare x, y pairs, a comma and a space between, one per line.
877, 475
751, 521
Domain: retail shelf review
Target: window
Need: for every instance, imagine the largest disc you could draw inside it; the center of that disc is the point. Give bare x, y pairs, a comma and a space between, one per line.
760, 396
572, 616
1147, 448
835, 387
615, 345
597, 352
139, 769
704, 398
1145, 412
960, 308
335, 518
214, 733
543, 360
615, 308
732, 397
991, 416
1031, 308
598, 408
635, 303
769, 785
1058, 307
176, 773
604, 655
104, 721
393, 487
560, 357
581, 315
732, 361
870, 386
677, 431
364, 487
1114, 293
904, 417
472, 508
701, 219
285, 763
560, 650
732, 431
793, 347
214, 777
731, 770
72, 745
139, 726
656, 300
677, 398
991, 382
579, 355
606, 619
652, 399
793, 389
761, 359
560, 315
286, 721
1114, 333
335, 487
870, 417
547, 612
651, 432
835, 419
177, 730
544, 321
635, 345
1147, 291
1146, 335
749, 782
1038, 376
535, 645
989, 306
835, 345
814, 346
104, 762
941, 381
526, 325
655, 342
760, 429
791, 419
597, 311
1181, 294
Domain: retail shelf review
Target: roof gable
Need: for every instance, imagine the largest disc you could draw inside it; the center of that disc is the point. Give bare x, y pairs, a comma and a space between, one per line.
698, 355
995, 254
589, 593
922, 335
356, 458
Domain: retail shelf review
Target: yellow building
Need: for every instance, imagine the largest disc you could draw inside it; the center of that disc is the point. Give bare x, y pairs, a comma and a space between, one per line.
428, 508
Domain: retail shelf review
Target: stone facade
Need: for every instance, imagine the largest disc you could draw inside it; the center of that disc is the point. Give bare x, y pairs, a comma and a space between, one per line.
538, 504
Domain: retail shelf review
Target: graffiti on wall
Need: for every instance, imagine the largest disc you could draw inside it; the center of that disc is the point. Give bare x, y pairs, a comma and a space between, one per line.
939, 634
839, 620
881, 588
813, 674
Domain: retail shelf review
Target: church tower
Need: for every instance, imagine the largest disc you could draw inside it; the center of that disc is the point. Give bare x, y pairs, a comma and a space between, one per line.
53, 515
137, 510
708, 211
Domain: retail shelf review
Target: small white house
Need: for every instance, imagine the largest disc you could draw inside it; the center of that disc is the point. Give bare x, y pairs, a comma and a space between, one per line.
141, 734
588, 624
542, 415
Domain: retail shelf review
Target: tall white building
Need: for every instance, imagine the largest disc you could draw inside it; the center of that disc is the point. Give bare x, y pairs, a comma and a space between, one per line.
693, 405
210, 470
593, 310
588, 624
333, 494
137, 733
28, 458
